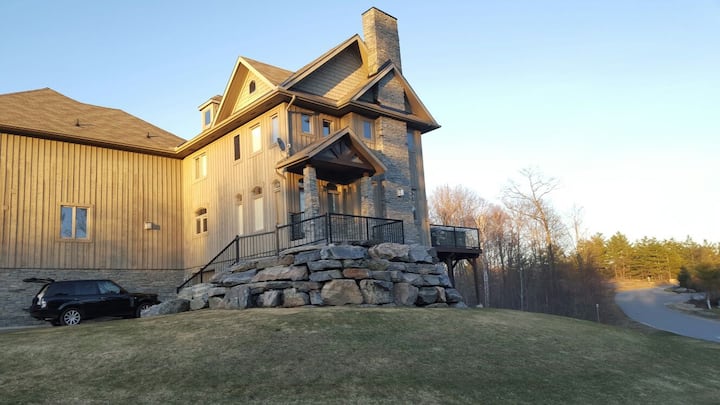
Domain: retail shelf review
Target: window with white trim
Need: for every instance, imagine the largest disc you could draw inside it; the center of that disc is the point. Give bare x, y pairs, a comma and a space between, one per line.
256, 138
367, 129
306, 123
274, 129
201, 221
258, 209
200, 166
74, 222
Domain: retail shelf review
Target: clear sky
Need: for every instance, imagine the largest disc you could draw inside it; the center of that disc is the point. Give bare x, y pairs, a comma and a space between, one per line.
618, 99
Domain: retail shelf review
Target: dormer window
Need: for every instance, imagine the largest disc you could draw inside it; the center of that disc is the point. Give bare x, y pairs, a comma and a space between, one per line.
208, 110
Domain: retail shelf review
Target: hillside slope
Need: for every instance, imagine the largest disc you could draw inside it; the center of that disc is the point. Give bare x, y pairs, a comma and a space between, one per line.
356, 355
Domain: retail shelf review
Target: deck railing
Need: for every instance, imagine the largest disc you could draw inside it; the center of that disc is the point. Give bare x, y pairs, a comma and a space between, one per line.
455, 237
328, 228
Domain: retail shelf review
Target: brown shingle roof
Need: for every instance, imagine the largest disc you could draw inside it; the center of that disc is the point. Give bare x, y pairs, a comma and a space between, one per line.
274, 74
46, 111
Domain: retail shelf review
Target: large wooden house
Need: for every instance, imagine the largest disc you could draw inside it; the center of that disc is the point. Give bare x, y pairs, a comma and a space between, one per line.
91, 189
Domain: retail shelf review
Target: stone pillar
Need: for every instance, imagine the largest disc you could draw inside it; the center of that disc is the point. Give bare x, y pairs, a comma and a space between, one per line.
397, 193
312, 200
367, 206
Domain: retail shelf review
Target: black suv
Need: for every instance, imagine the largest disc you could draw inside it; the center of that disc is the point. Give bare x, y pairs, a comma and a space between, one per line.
70, 302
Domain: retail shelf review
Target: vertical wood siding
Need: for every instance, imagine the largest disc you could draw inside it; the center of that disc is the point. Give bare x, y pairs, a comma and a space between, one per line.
121, 189
227, 180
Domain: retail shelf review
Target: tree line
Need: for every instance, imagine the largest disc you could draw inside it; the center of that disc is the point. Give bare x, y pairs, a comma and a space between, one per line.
537, 260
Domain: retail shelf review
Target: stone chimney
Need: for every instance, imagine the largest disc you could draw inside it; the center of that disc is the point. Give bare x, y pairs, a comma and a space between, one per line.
382, 39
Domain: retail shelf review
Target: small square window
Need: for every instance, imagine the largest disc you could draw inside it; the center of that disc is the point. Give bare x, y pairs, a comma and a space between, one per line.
327, 127
367, 129
306, 123
73, 222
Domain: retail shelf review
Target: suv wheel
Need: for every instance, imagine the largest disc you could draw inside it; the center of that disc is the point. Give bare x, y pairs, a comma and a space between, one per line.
70, 316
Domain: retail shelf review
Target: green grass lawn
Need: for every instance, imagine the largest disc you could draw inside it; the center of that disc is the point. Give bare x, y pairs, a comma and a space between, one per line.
356, 355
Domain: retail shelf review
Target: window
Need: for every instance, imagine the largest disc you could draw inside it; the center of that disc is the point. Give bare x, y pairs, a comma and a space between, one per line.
274, 128
208, 117
251, 87
306, 124
333, 195
327, 127
241, 220
256, 136
201, 167
258, 205
367, 129
201, 221
236, 146
73, 222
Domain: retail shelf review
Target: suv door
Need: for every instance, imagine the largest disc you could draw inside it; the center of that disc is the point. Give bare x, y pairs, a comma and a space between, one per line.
87, 295
115, 300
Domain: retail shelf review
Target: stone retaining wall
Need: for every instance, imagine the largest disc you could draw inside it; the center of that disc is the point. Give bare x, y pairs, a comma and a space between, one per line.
385, 275
16, 295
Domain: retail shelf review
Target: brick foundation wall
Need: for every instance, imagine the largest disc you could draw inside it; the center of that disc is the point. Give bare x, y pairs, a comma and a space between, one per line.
16, 295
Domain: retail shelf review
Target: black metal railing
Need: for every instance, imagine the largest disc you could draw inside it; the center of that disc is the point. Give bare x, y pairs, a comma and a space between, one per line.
227, 256
327, 228
455, 237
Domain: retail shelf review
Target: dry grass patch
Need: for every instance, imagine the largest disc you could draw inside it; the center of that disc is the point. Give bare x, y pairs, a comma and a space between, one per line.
353, 355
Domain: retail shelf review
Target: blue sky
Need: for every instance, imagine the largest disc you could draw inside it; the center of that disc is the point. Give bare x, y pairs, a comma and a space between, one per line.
619, 100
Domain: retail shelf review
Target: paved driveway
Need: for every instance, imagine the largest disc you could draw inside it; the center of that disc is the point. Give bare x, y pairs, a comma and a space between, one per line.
647, 306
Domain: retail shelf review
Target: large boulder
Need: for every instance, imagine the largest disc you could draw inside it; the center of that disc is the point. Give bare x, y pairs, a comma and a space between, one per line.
294, 273
357, 273
173, 306
405, 294
342, 252
197, 290
233, 279
376, 291
419, 254
237, 297
306, 257
295, 298
198, 303
453, 296
390, 251
427, 296
341, 292
270, 299
327, 275
327, 264
316, 298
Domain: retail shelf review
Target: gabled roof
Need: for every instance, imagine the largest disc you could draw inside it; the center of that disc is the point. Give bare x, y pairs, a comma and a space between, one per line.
417, 107
306, 70
270, 75
340, 158
46, 113
273, 74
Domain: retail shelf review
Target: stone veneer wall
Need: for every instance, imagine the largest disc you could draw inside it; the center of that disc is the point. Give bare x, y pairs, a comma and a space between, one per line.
17, 295
387, 274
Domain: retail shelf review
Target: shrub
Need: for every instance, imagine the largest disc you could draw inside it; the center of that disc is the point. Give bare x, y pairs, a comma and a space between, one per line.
684, 277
